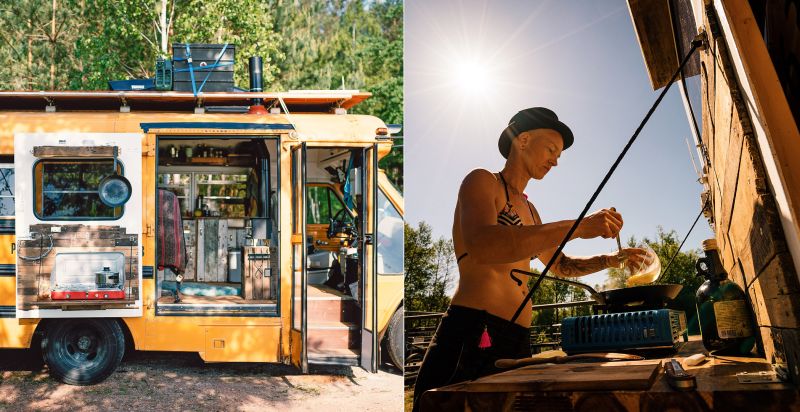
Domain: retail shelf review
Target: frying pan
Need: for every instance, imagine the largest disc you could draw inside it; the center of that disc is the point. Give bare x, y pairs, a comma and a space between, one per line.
632, 296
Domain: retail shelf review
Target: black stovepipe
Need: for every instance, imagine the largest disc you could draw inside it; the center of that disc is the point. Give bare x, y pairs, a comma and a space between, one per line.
697, 42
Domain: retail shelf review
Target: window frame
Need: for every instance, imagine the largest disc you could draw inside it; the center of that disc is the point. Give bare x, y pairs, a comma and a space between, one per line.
36, 187
331, 194
13, 196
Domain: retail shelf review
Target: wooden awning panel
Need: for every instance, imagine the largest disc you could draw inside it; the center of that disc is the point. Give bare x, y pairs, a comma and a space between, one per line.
656, 31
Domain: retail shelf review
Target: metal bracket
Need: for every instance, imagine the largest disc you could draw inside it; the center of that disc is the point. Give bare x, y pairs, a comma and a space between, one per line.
124, 108
701, 40
199, 109
51, 107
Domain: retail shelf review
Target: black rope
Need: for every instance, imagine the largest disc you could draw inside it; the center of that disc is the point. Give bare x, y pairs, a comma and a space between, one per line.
695, 44
702, 209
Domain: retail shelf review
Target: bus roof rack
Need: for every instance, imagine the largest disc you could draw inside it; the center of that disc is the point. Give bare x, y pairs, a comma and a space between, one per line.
298, 101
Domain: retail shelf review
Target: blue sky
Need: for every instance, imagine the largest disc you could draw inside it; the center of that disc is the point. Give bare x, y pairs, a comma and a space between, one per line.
470, 65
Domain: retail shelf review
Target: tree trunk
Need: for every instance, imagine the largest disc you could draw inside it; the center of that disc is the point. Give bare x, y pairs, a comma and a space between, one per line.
53, 49
163, 27
30, 52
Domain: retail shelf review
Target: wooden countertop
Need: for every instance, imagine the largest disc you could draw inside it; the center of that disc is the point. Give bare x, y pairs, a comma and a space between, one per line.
718, 388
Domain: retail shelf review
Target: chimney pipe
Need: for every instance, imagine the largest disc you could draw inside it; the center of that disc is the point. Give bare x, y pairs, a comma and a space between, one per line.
256, 84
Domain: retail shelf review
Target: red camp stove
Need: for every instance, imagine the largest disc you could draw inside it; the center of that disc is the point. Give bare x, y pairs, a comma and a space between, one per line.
101, 285
87, 294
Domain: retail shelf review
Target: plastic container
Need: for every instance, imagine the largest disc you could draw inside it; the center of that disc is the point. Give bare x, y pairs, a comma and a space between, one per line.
647, 272
131, 85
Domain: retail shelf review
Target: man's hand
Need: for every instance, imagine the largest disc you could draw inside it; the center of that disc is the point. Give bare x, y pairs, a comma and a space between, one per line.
605, 223
630, 257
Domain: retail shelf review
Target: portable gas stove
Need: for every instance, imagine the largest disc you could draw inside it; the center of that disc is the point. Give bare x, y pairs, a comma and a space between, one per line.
625, 331
73, 282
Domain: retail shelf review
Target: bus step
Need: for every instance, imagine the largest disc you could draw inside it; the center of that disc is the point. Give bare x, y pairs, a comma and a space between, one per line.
345, 357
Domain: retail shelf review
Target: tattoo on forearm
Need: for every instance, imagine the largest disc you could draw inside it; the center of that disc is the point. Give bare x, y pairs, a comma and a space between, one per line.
579, 266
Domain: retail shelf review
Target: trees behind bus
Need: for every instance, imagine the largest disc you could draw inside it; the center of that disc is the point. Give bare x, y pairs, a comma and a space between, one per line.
69, 45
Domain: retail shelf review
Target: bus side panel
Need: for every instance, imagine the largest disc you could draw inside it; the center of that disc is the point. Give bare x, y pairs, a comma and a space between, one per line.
16, 333
8, 280
175, 333
241, 344
8, 285
137, 328
390, 294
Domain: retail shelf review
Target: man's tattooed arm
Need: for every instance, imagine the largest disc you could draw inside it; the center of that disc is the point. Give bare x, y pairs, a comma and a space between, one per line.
570, 267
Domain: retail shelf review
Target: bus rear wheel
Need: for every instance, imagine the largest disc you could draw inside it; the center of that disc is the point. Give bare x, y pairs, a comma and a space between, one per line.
395, 339
83, 351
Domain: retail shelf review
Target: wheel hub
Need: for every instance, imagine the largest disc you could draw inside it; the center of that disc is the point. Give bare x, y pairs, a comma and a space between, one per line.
84, 342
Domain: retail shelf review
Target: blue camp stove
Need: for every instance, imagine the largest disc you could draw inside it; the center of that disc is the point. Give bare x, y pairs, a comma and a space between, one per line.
626, 331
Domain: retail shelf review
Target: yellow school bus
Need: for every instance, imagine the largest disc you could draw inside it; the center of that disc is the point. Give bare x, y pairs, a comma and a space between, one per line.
168, 221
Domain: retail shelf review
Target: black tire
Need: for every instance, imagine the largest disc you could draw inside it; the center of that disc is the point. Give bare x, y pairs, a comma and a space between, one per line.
83, 351
395, 339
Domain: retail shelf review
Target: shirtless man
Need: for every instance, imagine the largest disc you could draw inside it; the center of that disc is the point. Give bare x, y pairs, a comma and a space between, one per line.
496, 229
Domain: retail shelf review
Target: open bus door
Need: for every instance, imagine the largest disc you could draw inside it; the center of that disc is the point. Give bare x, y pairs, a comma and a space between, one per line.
369, 293
299, 330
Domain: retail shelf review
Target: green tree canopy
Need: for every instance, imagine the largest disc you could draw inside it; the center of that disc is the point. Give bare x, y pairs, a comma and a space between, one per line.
305, 44
430, 270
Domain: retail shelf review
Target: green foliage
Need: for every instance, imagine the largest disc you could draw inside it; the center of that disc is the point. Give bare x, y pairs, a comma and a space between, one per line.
682, 271
305, 44
248, 24
556, 292
429, 269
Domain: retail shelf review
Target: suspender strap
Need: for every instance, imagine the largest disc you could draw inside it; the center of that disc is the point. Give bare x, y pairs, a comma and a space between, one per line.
505, 187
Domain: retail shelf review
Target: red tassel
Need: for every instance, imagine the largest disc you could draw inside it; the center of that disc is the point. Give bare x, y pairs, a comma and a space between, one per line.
486, 340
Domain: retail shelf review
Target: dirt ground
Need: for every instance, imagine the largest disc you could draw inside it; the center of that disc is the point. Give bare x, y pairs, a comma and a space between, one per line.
182, 382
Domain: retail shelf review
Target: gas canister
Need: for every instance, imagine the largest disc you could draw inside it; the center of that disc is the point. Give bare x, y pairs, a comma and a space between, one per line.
722, 310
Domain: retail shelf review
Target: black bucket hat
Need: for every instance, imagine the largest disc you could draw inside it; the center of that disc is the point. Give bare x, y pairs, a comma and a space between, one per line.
532, 119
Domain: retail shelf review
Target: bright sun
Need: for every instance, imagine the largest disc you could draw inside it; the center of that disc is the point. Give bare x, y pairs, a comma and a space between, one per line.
472, 77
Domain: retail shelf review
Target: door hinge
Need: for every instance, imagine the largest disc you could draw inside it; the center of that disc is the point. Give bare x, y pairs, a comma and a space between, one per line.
368, 238
148, 230
149, 148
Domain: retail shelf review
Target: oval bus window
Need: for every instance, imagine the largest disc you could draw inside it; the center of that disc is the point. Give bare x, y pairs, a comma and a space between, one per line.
114, 190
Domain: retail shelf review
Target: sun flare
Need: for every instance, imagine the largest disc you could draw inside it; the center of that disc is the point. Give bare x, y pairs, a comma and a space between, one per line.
472, 77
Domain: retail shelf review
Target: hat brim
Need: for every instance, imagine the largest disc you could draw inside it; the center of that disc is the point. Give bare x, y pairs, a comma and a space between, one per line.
508, 134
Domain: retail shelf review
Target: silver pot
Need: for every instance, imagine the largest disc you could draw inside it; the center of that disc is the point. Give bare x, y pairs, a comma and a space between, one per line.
107, 277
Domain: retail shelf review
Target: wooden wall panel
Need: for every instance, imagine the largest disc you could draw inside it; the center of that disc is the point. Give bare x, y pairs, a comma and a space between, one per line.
745, 218
33, 277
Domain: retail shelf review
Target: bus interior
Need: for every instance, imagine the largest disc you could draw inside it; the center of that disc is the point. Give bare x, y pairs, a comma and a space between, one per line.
230, 223
226, 192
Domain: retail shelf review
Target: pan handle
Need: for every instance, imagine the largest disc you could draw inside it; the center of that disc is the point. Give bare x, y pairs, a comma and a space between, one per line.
601, 300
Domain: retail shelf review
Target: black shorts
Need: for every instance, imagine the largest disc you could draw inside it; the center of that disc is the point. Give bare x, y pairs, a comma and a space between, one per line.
454, 356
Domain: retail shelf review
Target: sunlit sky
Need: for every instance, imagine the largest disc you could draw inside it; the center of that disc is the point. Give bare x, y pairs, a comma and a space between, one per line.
470, 65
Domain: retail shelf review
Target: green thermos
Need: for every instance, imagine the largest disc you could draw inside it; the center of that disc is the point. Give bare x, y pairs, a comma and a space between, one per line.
722, 309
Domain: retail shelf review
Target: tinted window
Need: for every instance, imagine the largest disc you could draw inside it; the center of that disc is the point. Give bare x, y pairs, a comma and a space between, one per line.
67, 189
